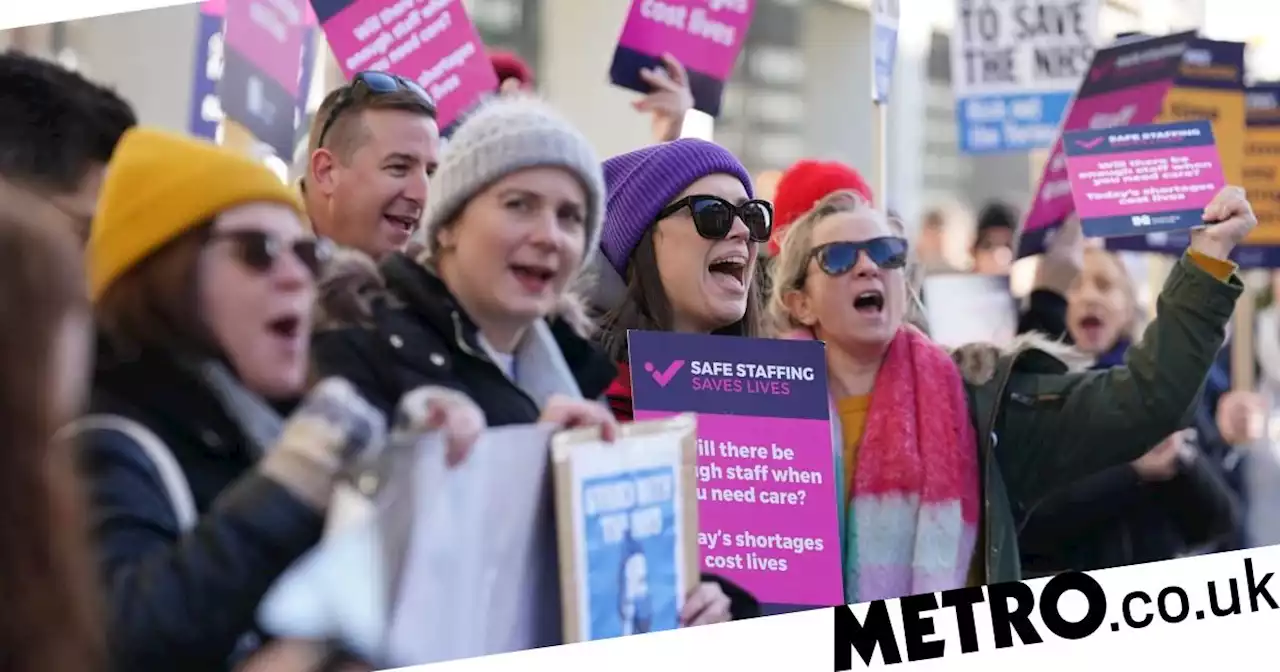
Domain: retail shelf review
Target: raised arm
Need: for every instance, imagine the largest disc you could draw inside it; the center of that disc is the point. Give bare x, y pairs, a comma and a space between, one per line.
1060, 428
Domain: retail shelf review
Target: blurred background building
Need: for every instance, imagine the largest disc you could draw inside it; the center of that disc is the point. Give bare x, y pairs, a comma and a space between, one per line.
801, 88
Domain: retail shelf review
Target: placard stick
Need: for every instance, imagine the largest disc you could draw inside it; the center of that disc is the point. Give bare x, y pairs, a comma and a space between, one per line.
879, 157
1243, 367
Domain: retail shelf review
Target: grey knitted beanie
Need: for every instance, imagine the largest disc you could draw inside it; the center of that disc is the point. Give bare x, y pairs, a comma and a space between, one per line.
505, 135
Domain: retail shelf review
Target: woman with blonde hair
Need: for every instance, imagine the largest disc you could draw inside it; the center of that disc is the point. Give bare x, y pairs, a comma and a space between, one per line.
51, 618
1170, 500
940, 464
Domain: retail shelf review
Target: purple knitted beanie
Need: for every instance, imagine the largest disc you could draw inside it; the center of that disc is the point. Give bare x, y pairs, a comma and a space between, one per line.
640, 184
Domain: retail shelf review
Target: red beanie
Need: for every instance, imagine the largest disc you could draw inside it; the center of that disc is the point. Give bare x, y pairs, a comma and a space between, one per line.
806, 183
510, 66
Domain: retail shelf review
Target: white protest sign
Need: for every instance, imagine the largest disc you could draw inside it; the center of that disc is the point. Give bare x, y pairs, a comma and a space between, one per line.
1015, 65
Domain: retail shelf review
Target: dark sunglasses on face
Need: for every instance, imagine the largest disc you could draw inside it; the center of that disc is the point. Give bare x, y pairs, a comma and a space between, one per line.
372, 83
840, 257
713, 216
260, 251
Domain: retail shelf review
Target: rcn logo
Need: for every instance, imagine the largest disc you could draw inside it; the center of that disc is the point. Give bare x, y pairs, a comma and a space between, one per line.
662, 378
1141, 220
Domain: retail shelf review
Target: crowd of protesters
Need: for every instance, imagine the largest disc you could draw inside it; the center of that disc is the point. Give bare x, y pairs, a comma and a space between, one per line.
195, 353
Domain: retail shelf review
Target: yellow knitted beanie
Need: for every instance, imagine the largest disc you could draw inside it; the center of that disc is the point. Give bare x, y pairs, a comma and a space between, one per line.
160, 185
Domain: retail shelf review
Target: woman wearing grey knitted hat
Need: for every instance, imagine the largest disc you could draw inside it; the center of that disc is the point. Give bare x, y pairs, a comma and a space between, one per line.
486, 315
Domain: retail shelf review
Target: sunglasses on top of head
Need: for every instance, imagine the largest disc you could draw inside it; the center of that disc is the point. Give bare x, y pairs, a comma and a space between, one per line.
260, 251
372, 83
713, 216
836, 259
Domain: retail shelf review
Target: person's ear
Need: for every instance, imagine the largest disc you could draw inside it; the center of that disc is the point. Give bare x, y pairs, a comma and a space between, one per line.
322, 171
446, 239
800, 307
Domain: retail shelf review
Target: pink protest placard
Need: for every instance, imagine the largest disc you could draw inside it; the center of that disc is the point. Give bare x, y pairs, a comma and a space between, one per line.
706, 36
766, 490
1126, 85
431, 42
1143, 179
269, 34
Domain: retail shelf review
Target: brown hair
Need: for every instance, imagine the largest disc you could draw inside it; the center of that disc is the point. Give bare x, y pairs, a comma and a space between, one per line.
646, 306
154, 306
51, 618
347, 132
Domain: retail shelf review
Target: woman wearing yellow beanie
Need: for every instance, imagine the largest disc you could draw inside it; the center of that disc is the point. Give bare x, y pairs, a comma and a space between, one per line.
202, 277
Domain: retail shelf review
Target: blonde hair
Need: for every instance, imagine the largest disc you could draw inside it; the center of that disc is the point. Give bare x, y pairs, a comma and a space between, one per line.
1138, 314
788, 270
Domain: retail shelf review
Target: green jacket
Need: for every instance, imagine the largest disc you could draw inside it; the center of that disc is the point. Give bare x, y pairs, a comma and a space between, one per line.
1041, 426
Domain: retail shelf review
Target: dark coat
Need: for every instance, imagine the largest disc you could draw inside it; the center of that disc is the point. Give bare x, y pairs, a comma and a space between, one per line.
1042, 427
401, 329
182, 602
410, 333
1114, 518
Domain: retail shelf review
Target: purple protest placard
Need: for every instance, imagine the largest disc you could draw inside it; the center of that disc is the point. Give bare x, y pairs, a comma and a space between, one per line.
1143, 179
767, 513
431, 42
705, 35
264, 52
206, 109
1126, 85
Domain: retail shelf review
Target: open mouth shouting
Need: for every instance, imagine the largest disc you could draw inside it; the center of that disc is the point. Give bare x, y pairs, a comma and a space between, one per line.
869, 303
287, 331
534, 278
1091, 328
729, 272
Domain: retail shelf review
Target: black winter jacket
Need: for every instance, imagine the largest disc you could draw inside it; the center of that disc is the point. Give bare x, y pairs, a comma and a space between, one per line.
182, 602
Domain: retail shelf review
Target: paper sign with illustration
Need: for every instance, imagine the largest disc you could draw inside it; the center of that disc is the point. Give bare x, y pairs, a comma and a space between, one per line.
1139, 180
766, 471
627, 523
456, 563
432, 43
706, 36
968, 308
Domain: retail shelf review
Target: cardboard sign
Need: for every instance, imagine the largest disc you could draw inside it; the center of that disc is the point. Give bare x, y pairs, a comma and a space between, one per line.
706, 37
966, 308
1143, 179
1014, 67
767, 512
1130, 84
627, 524
1262, 177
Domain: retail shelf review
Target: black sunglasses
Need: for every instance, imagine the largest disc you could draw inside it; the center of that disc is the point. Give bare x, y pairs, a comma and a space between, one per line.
713, 216
260, 251
369, 84
838, 258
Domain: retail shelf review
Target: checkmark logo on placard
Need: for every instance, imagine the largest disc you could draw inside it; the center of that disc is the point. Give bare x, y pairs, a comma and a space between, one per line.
664, 377
1090, 144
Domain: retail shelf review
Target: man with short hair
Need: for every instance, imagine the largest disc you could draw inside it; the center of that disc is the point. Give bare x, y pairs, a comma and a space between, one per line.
374, 144
57, 132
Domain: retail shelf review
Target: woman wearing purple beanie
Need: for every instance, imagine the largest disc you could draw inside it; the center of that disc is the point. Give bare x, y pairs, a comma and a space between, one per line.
681, 238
